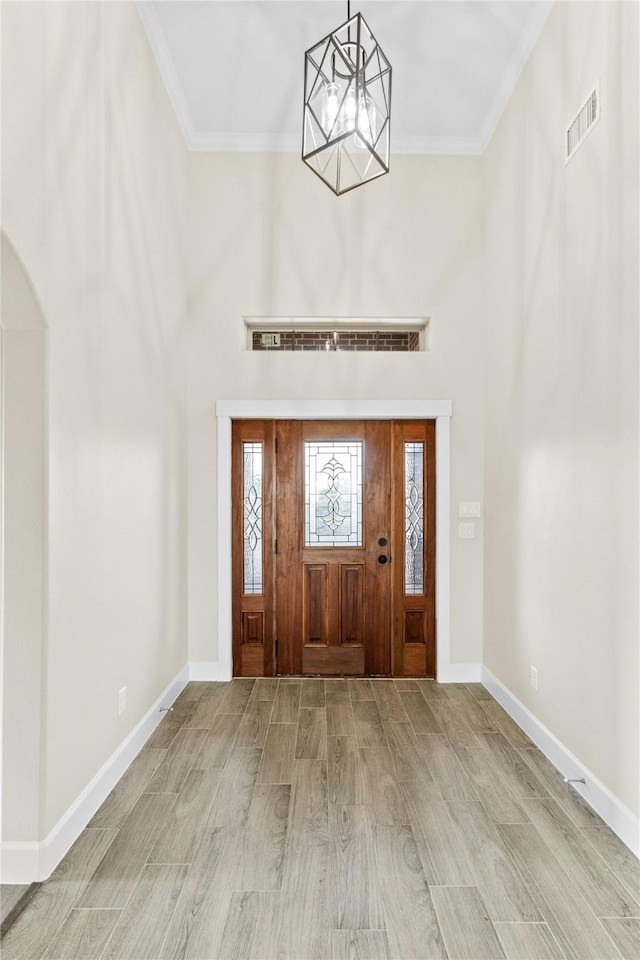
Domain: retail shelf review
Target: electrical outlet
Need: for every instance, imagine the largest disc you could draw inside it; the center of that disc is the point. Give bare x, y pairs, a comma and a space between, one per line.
122, 700
467, 531
533, 677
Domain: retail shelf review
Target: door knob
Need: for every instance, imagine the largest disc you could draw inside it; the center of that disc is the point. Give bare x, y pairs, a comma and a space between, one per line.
382, 558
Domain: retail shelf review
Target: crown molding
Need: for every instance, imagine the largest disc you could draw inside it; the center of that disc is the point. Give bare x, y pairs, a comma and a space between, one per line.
200, 142
511, 75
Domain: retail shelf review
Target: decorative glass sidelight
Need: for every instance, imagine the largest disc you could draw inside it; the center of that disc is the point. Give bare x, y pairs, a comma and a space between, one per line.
414, 518
252, 516
333, 493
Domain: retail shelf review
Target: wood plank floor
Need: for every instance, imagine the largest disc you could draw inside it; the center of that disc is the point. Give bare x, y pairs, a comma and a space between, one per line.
338, 820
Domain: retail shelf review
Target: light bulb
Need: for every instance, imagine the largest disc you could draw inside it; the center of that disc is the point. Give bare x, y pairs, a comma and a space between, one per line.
331, 107
366, 120
350, 108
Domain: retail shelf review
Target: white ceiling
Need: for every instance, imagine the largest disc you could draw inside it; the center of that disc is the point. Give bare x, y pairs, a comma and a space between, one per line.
234, 68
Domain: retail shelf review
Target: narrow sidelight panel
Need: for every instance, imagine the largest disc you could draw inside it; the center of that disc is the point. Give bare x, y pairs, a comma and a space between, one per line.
414, 518
252, 517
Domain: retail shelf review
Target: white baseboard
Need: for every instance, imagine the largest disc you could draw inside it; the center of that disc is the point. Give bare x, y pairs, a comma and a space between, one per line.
208, 670
615, 814
29, 862
460, 673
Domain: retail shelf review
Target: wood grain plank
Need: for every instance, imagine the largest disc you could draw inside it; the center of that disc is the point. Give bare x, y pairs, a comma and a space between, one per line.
616, 855
420, 714
114, 880
235, 790
389, 703
303, 927
604, 893
164, 734
126, 792
43, 916
360, 945
445, 768
264, 838
336, 691
218, 742
492, 789
381, 791
441, 845
344, 771
479, 691
178, 761
625, 933
432, 690
368, 725
505, 894
265, 688
519, 776
192, 692
466, 929
453, 723
206, 709
255, 723
405, 683
309, 816
198, 922
83, 934
356, 902
142, 926
340, 722
407, 757
278, 754
579, 933
478, 719
412, 927
505, 725
312, 693
250, 932
286, 703
311, 741
528, 941
185, 822
360, 690
237, 695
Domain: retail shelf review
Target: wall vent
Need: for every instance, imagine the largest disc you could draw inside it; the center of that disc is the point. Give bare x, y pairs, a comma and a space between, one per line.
583, 123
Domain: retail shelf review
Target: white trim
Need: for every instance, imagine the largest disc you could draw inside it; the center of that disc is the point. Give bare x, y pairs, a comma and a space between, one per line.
290, 143
29, 862
226, 410
422, 145
615, 814
460, 673
207, 670
514, 68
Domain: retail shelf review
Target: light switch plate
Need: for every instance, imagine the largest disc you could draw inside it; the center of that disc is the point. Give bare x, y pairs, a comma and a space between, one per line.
470, 508
467, 531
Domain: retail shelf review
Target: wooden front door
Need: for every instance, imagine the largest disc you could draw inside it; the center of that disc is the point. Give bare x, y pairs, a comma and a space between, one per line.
334, 548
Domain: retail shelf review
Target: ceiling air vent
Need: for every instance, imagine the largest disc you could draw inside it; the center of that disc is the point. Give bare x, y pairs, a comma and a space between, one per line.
583, 123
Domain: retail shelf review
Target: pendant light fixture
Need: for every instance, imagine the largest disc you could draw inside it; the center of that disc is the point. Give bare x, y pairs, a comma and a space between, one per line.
347, 107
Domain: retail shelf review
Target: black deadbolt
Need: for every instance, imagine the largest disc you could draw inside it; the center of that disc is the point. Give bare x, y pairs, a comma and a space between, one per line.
382, 542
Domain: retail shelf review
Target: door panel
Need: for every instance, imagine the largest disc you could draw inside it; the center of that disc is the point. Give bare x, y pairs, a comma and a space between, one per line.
345, 584
337, 597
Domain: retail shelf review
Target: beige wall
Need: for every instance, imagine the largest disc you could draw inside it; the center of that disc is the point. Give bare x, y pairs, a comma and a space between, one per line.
561, 398
93, 189
269, 239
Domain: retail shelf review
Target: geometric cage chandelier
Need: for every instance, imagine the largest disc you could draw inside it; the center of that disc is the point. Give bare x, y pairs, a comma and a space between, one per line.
347, 107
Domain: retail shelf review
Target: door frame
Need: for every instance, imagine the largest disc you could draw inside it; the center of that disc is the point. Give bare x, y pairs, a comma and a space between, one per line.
438, 410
